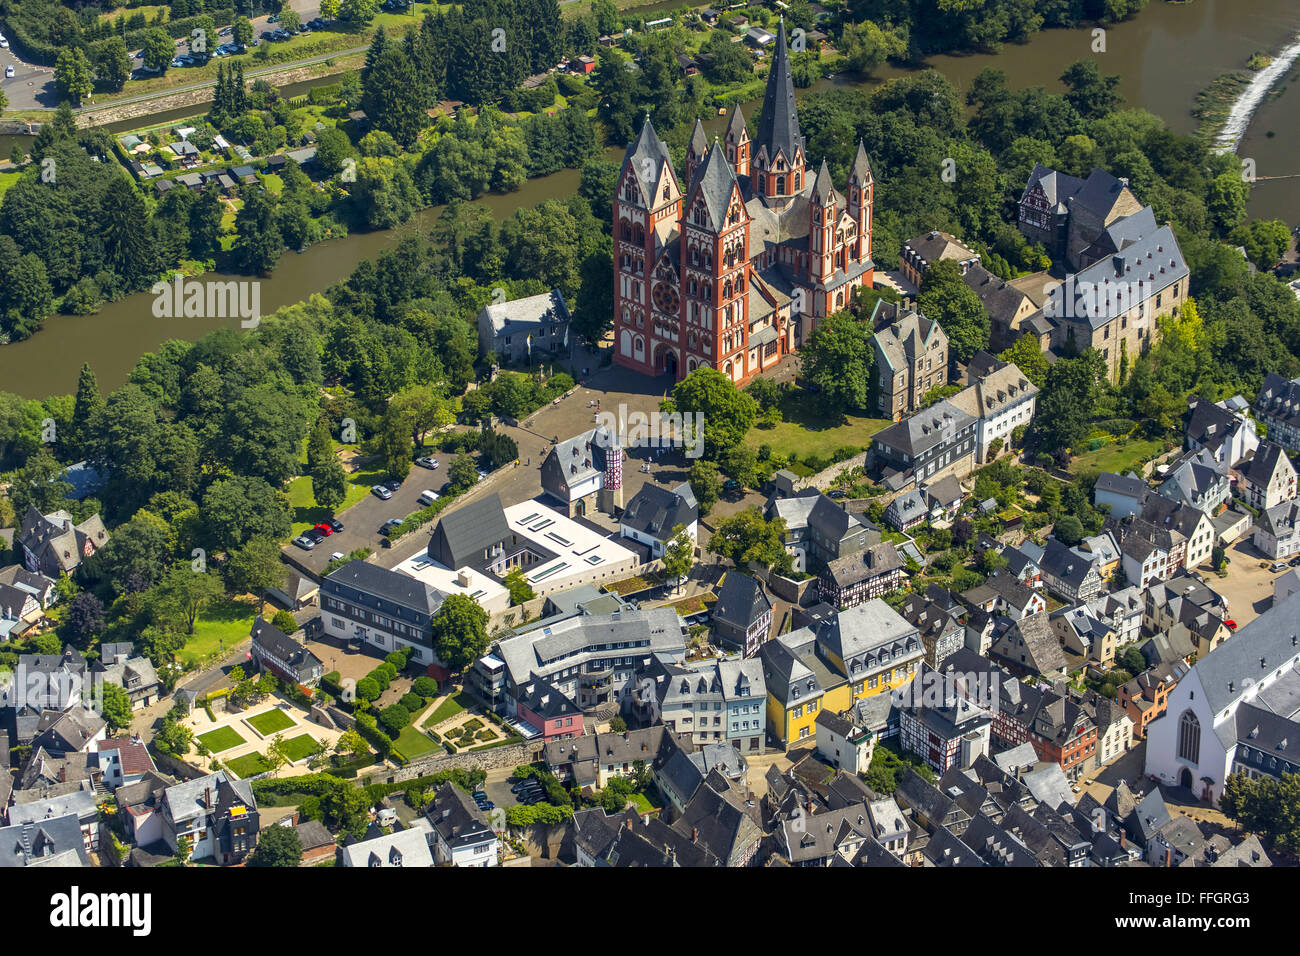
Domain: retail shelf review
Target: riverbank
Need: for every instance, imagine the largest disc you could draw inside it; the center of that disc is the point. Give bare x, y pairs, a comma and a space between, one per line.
1249, 99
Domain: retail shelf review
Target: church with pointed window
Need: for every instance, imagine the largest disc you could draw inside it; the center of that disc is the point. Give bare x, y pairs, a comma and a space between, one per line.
733, 265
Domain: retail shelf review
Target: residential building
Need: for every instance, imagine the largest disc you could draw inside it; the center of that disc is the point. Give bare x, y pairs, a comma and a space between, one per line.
408, 849
548, 712
1186, 602
517, 329
56, 841
1063, 732
1198, 480
1277, 530
53, 545
654, 512
462, 834
216, 815
1001, 401
707, 702
1030, 647
937, 619
742, 616
817, 530
1086, 634
859, 577
1123, 494
911, 358
276, 651
1146, 696
1223, 429
593, 759
1268, 478
865, 651
939, 440
947, 734
844, 743
922, 252
589, 658
1277, 406
366, 603
702, 276
1012, 313
1069, 573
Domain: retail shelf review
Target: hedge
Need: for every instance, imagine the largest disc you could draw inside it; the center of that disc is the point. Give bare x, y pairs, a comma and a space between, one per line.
368, 728
467, 780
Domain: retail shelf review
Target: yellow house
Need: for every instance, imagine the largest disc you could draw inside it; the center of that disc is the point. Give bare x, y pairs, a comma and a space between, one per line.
866, 650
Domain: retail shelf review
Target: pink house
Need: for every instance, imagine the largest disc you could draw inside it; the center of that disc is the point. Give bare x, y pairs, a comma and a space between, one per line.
549, 712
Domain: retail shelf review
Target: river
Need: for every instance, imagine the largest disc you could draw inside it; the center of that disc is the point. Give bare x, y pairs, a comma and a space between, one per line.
1164, 56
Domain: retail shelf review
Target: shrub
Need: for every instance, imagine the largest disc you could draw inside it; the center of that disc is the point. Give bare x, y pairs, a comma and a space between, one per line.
426, 687
394, 719
285, 622
368, 689
412, 702
397, 659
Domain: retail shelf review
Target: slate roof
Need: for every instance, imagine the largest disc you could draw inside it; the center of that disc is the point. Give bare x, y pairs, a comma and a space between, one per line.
1154, 260
363, 579
406, 849
655, 510
870, 632
924, 430
778, 127
461, 537
741, 600
529, 311
1270, 637
872, 562
1279, 398
1057, 186
56, 841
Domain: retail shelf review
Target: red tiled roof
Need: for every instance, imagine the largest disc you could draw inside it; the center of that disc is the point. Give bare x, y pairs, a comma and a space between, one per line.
135, 758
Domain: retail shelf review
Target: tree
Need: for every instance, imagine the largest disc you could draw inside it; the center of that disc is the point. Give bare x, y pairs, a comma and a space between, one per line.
947, 299
352, 743
705, 484
112, 64
276, 755
73, 76
617, 725
679, 555
518, 586
1028, 356
459, 631
88, 402
727, 412
392, 444
329, 9
1068, 530
1090, 93
461, 474
746, 537
867, 45
115, 707
243, 29
173, 737
277, 846
394, 719
85, 617
158, 49
255, 567
184, 847
235, 510
837, 359
284, 621
185, 593
259, 243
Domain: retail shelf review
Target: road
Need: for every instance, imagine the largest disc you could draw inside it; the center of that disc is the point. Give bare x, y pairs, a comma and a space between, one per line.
32, 86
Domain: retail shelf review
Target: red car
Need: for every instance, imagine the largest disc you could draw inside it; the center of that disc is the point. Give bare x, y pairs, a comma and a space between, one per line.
324, 529
1231, 625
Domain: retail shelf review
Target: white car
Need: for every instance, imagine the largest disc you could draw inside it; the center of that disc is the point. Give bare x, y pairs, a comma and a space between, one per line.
9, 72
428, 497
4, 44
482, 475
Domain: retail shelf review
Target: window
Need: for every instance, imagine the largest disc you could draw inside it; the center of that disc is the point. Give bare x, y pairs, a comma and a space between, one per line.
1189, 738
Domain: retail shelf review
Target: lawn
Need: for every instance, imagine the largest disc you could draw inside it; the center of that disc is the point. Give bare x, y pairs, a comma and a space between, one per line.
808, 432
271, 722
249, 765
450, 707
306, 512
414, 743
300, 747
642, 804
220, 627
1117, 458
223, 738
8, 179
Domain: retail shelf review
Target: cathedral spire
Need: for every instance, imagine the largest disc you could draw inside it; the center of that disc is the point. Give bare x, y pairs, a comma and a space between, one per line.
778, 128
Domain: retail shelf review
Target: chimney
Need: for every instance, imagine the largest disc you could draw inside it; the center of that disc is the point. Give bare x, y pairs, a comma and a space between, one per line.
629, 825
1169, 856
695, 834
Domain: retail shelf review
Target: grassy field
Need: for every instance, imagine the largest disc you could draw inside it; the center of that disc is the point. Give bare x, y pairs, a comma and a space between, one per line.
414, 743
306, 512
249, 765
450, 707
271, 722
7, 180
300, 747
1117, 458
220, 627
807, 432
223, 738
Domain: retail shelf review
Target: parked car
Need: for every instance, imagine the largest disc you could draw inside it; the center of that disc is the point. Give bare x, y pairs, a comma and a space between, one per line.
427, 462
379, 491
324, 529
273, 18
304, 542
9, 71
731, 484
1295, 562
388, 525
314, 535
428, 497
482, 474
4, 44
392, 484
335, 523
1277, 566
337, 556
836, 493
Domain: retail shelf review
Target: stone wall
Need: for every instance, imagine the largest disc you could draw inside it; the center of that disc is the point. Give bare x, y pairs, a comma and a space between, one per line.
497, 758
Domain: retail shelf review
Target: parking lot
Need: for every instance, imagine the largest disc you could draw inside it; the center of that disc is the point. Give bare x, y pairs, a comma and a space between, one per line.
1248, 587
31, 86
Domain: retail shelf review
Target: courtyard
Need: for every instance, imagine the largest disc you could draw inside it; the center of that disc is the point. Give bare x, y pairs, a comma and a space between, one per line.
240, 740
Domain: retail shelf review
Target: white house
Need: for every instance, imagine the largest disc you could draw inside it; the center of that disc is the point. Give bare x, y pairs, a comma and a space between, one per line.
654, 512
1002, 400
462, 834
1234, 709
1277, 530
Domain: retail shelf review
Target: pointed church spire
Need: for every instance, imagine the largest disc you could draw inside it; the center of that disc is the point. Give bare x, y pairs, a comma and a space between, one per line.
699, 140
823, 188
736, 125
778, 128
861, 170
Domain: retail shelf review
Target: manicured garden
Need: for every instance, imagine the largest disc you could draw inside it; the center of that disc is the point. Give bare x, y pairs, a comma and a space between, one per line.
300, 747
272, 722
449, 708
413, 743
223, 738
1118, 457
249, 765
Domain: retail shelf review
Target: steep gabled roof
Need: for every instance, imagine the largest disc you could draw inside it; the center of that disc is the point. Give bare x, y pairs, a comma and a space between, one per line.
778, 127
